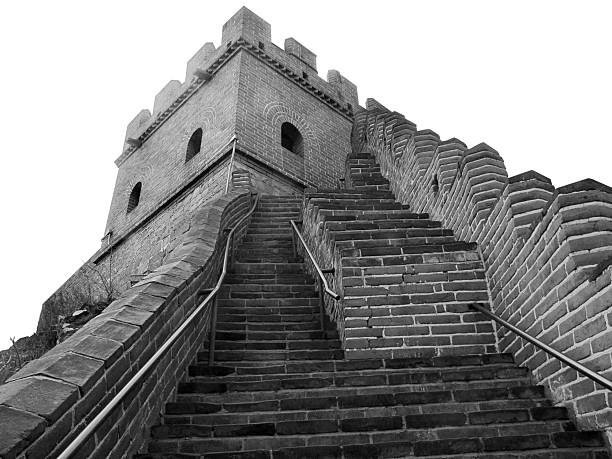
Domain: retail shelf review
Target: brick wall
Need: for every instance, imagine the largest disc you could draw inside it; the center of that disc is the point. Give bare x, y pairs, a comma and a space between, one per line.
546, 250
50, 400
142, 251
266, 100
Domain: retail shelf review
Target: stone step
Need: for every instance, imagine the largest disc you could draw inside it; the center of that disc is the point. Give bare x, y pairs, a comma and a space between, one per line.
344, 235
269, 326
273, 355
190, 400
267, 268
253, 336
325, 442
280, 279
455, 256
370, 215
362, 207
267, 310
434, 239
267, 302
326, 379
288, 345
457, 424
382, 224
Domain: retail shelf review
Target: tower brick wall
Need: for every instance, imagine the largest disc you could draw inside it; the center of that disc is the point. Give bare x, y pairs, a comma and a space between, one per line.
245, 89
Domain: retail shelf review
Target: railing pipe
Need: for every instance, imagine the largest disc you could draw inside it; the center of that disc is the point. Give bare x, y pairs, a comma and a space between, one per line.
117, 399
323, 285
592, 375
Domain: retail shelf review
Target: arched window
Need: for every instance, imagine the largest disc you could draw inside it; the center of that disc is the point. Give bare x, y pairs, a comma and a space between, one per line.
134, 197
291, 139
194, 145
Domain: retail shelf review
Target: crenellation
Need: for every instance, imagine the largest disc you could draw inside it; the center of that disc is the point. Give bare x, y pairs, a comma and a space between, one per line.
200, 61
136, 127
247, 25
166, 96
295, 48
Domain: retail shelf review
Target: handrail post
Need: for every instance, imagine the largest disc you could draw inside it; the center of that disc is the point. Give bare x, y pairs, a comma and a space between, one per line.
213, 331
231, 166
321, 305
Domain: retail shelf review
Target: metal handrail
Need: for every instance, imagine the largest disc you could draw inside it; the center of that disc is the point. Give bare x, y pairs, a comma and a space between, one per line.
592, 375
95, 423
323, 285
329, 291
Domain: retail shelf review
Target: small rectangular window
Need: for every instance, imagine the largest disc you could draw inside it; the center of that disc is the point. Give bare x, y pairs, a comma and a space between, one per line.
304, 75
261, 45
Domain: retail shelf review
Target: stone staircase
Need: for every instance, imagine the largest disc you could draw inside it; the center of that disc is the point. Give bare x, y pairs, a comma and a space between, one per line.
406, 282
281, 387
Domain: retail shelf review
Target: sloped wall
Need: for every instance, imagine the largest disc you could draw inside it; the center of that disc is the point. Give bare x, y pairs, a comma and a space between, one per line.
547, 251
50, 400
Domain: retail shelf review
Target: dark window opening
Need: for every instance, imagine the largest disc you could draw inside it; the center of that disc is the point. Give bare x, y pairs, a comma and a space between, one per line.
304, 75
260, 45
194, 145
291, 139
134, 197
350, 107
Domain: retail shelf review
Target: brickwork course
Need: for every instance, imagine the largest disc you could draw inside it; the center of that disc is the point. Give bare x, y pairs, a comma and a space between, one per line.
411, 230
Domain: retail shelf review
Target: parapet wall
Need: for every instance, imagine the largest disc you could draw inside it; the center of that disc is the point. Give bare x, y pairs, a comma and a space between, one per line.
547, 251
50, 400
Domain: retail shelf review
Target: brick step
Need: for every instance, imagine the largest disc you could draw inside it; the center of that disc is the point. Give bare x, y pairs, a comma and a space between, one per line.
371, 215
272, 355
325, 442
267, 268
276, 335
407, 378
344, 235
357, 156
262, 310
268, 302
268, 326
276, 214
476, 360
268, 259
362, 207
273, 219
285, 236
457, 425
288, 345
280, 279
269, 287
349, 194
414, 269
453, 400
363, 405
200, 390
366, 178
435, 236
341, 201
456, 256
224, 316
382, 224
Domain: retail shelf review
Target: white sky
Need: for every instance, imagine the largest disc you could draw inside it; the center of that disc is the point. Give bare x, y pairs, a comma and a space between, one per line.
530, 78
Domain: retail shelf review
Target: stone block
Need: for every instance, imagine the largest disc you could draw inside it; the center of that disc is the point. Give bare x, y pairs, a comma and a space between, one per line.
18, 430
44, 397
72, 368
